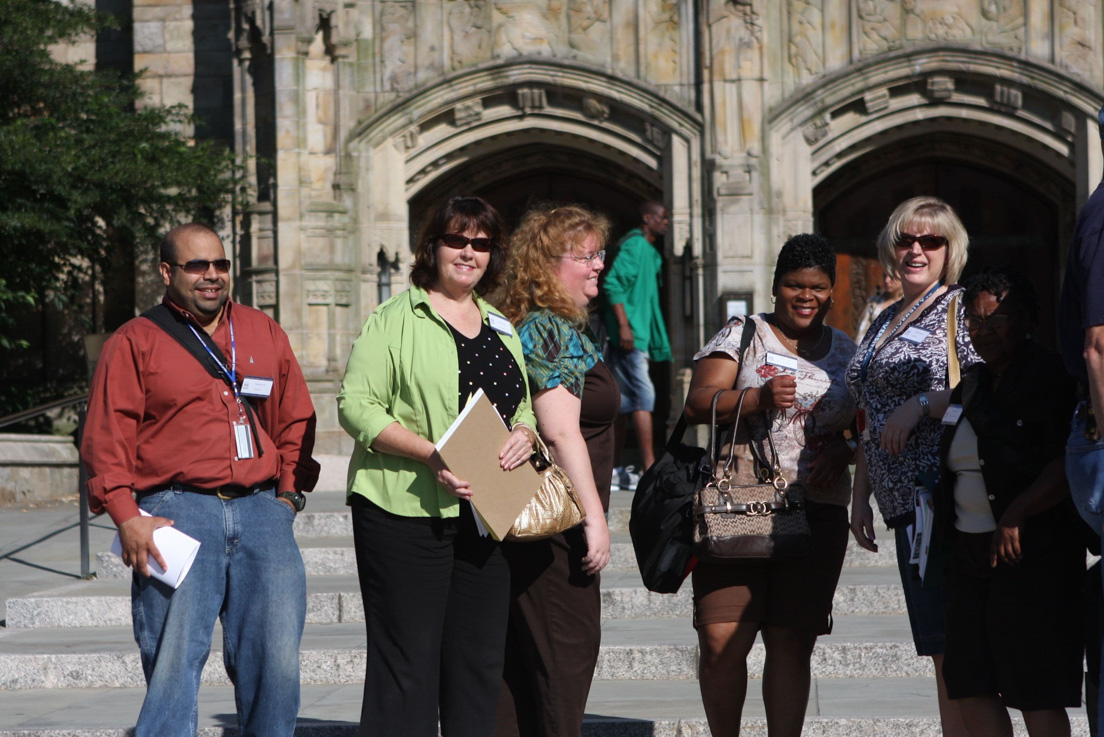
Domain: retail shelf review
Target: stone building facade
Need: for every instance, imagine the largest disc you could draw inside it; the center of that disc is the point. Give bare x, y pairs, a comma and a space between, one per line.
751, 119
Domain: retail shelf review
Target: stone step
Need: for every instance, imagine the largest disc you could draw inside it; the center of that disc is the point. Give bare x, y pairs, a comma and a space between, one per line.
836, 708
632, 649
335, 599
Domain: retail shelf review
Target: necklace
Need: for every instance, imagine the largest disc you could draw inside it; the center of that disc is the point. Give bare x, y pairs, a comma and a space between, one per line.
798, 350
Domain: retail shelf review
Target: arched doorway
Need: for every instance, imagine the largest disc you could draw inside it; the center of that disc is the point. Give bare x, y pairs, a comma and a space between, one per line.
1013, 219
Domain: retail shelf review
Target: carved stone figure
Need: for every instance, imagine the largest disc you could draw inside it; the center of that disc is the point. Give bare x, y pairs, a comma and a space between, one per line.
1076, 36
469, 32
397, 46
526, 27
1002, 24
806, 38
588, 26
663, 41
880, 24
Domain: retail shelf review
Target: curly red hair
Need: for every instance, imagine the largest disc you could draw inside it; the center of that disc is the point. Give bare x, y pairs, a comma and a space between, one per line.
546, 233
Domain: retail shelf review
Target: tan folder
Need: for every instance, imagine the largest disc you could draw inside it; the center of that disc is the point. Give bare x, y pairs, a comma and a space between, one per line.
470, 450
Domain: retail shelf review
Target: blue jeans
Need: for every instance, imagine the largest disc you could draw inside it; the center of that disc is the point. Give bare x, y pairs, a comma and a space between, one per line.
1085, 472
631, 372
248, 573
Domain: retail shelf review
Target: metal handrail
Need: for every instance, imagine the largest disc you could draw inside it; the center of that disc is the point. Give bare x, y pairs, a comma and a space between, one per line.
29, 414
82, 475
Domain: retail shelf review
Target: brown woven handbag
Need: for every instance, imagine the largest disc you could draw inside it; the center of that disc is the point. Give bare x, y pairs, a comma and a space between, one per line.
747, 510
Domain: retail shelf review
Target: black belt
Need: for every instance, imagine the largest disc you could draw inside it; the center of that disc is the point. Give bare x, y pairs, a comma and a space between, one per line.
226, 491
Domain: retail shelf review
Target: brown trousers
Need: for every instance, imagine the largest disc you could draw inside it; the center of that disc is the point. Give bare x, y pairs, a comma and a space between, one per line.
552, 641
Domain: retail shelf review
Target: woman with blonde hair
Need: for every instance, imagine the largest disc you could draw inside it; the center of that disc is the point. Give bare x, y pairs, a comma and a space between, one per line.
555, 608
899, 378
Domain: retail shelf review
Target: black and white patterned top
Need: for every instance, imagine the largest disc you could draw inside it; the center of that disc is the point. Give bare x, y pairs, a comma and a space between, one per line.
898, 371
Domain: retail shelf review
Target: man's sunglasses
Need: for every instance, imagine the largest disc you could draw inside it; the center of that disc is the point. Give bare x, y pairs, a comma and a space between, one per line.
927, 242
454, 240
199, 266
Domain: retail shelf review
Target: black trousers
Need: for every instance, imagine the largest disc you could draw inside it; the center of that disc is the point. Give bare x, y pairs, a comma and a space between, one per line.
436, 600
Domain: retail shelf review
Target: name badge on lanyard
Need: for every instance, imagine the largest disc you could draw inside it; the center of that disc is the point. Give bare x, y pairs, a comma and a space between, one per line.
500, 324
915, 335
256, 386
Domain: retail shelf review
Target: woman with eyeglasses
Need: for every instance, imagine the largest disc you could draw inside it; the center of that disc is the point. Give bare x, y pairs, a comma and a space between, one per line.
1005, 520
556, 255
899, 379
436, 593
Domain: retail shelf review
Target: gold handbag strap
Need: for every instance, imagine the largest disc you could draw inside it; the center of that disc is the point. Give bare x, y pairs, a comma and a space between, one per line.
954, 373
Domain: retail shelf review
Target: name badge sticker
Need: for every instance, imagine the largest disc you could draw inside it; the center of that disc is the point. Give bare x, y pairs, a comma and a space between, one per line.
256, 386
500, 324
952, 415
915, 335
789, 363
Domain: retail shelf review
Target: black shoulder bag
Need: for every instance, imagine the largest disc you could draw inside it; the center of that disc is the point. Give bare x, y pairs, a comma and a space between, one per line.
662, 520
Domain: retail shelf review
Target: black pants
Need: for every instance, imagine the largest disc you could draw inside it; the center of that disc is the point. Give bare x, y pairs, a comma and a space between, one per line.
436, 598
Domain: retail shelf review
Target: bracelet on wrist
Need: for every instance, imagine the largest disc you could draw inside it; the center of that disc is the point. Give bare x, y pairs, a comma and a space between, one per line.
925, 405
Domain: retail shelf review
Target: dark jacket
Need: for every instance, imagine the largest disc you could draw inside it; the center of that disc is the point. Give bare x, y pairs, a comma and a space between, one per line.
1021, 423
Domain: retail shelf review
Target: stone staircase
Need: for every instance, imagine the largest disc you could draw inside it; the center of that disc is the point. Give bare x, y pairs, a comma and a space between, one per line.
69, 665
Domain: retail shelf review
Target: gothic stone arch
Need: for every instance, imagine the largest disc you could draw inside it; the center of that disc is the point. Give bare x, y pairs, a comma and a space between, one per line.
484, 115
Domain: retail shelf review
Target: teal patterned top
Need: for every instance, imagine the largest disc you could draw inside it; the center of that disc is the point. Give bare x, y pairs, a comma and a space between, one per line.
556, 352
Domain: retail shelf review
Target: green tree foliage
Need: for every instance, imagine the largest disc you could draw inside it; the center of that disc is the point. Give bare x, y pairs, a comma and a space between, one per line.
85, 171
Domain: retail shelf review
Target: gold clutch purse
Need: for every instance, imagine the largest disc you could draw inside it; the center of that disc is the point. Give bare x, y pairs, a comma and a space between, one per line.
554, 508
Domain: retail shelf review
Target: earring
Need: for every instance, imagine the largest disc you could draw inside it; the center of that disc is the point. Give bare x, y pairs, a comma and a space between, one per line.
773, 299
831, 301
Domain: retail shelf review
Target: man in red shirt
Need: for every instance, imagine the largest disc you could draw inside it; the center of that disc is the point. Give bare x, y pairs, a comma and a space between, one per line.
199, 416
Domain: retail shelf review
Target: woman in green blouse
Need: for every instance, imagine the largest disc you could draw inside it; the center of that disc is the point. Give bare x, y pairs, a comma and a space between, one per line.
555, 609
435, 592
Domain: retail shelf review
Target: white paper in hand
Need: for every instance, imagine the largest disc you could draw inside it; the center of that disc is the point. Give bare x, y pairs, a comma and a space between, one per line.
178, 550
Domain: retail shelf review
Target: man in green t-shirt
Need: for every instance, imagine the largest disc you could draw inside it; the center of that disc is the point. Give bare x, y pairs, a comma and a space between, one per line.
635, 320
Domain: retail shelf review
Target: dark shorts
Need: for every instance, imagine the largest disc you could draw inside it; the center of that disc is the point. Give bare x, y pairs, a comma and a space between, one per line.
925, 603
1014, 630
795, 592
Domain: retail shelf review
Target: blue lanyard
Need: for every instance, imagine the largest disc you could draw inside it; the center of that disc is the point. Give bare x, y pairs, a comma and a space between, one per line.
881, 331
232, 373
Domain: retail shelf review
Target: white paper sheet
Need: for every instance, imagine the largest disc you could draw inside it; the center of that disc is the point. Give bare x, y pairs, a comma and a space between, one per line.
178, 550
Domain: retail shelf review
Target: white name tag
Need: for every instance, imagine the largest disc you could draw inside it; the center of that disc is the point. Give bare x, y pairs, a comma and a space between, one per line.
915, 335
256, 386
952, 415
243, 441
789, 363
500, 324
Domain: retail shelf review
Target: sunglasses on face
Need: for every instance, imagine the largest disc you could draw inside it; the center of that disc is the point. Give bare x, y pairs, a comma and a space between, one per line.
927, 242
457, 241
975, 323
599, 255
199, 266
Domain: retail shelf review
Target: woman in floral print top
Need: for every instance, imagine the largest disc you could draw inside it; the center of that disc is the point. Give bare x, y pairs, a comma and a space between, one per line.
899, 379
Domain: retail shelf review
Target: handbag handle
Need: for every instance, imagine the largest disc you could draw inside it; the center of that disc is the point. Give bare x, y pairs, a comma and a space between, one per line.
772, 471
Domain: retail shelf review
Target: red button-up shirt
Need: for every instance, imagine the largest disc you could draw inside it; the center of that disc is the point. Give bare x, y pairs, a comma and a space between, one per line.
155, 416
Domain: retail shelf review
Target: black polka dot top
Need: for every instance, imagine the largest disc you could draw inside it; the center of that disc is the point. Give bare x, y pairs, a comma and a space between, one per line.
486, 363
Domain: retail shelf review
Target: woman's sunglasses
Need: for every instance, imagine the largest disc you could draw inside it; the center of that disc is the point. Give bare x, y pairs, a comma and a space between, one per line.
927, 242
454, 240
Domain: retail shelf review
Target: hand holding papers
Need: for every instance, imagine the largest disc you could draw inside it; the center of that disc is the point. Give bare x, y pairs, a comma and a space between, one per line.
470, 450
178, 550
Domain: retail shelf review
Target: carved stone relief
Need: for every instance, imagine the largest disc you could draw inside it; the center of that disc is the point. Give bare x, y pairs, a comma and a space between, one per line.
397, 45
879, 26
662, 53
1077, 36
531, 99
1007, 96
806, 38
655, 134
736, 38
885, 25
469, 28
876, 100
941, 87
527, 27
815, 131
588, 27
595, 109
407, 140
468, 112
264, 292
